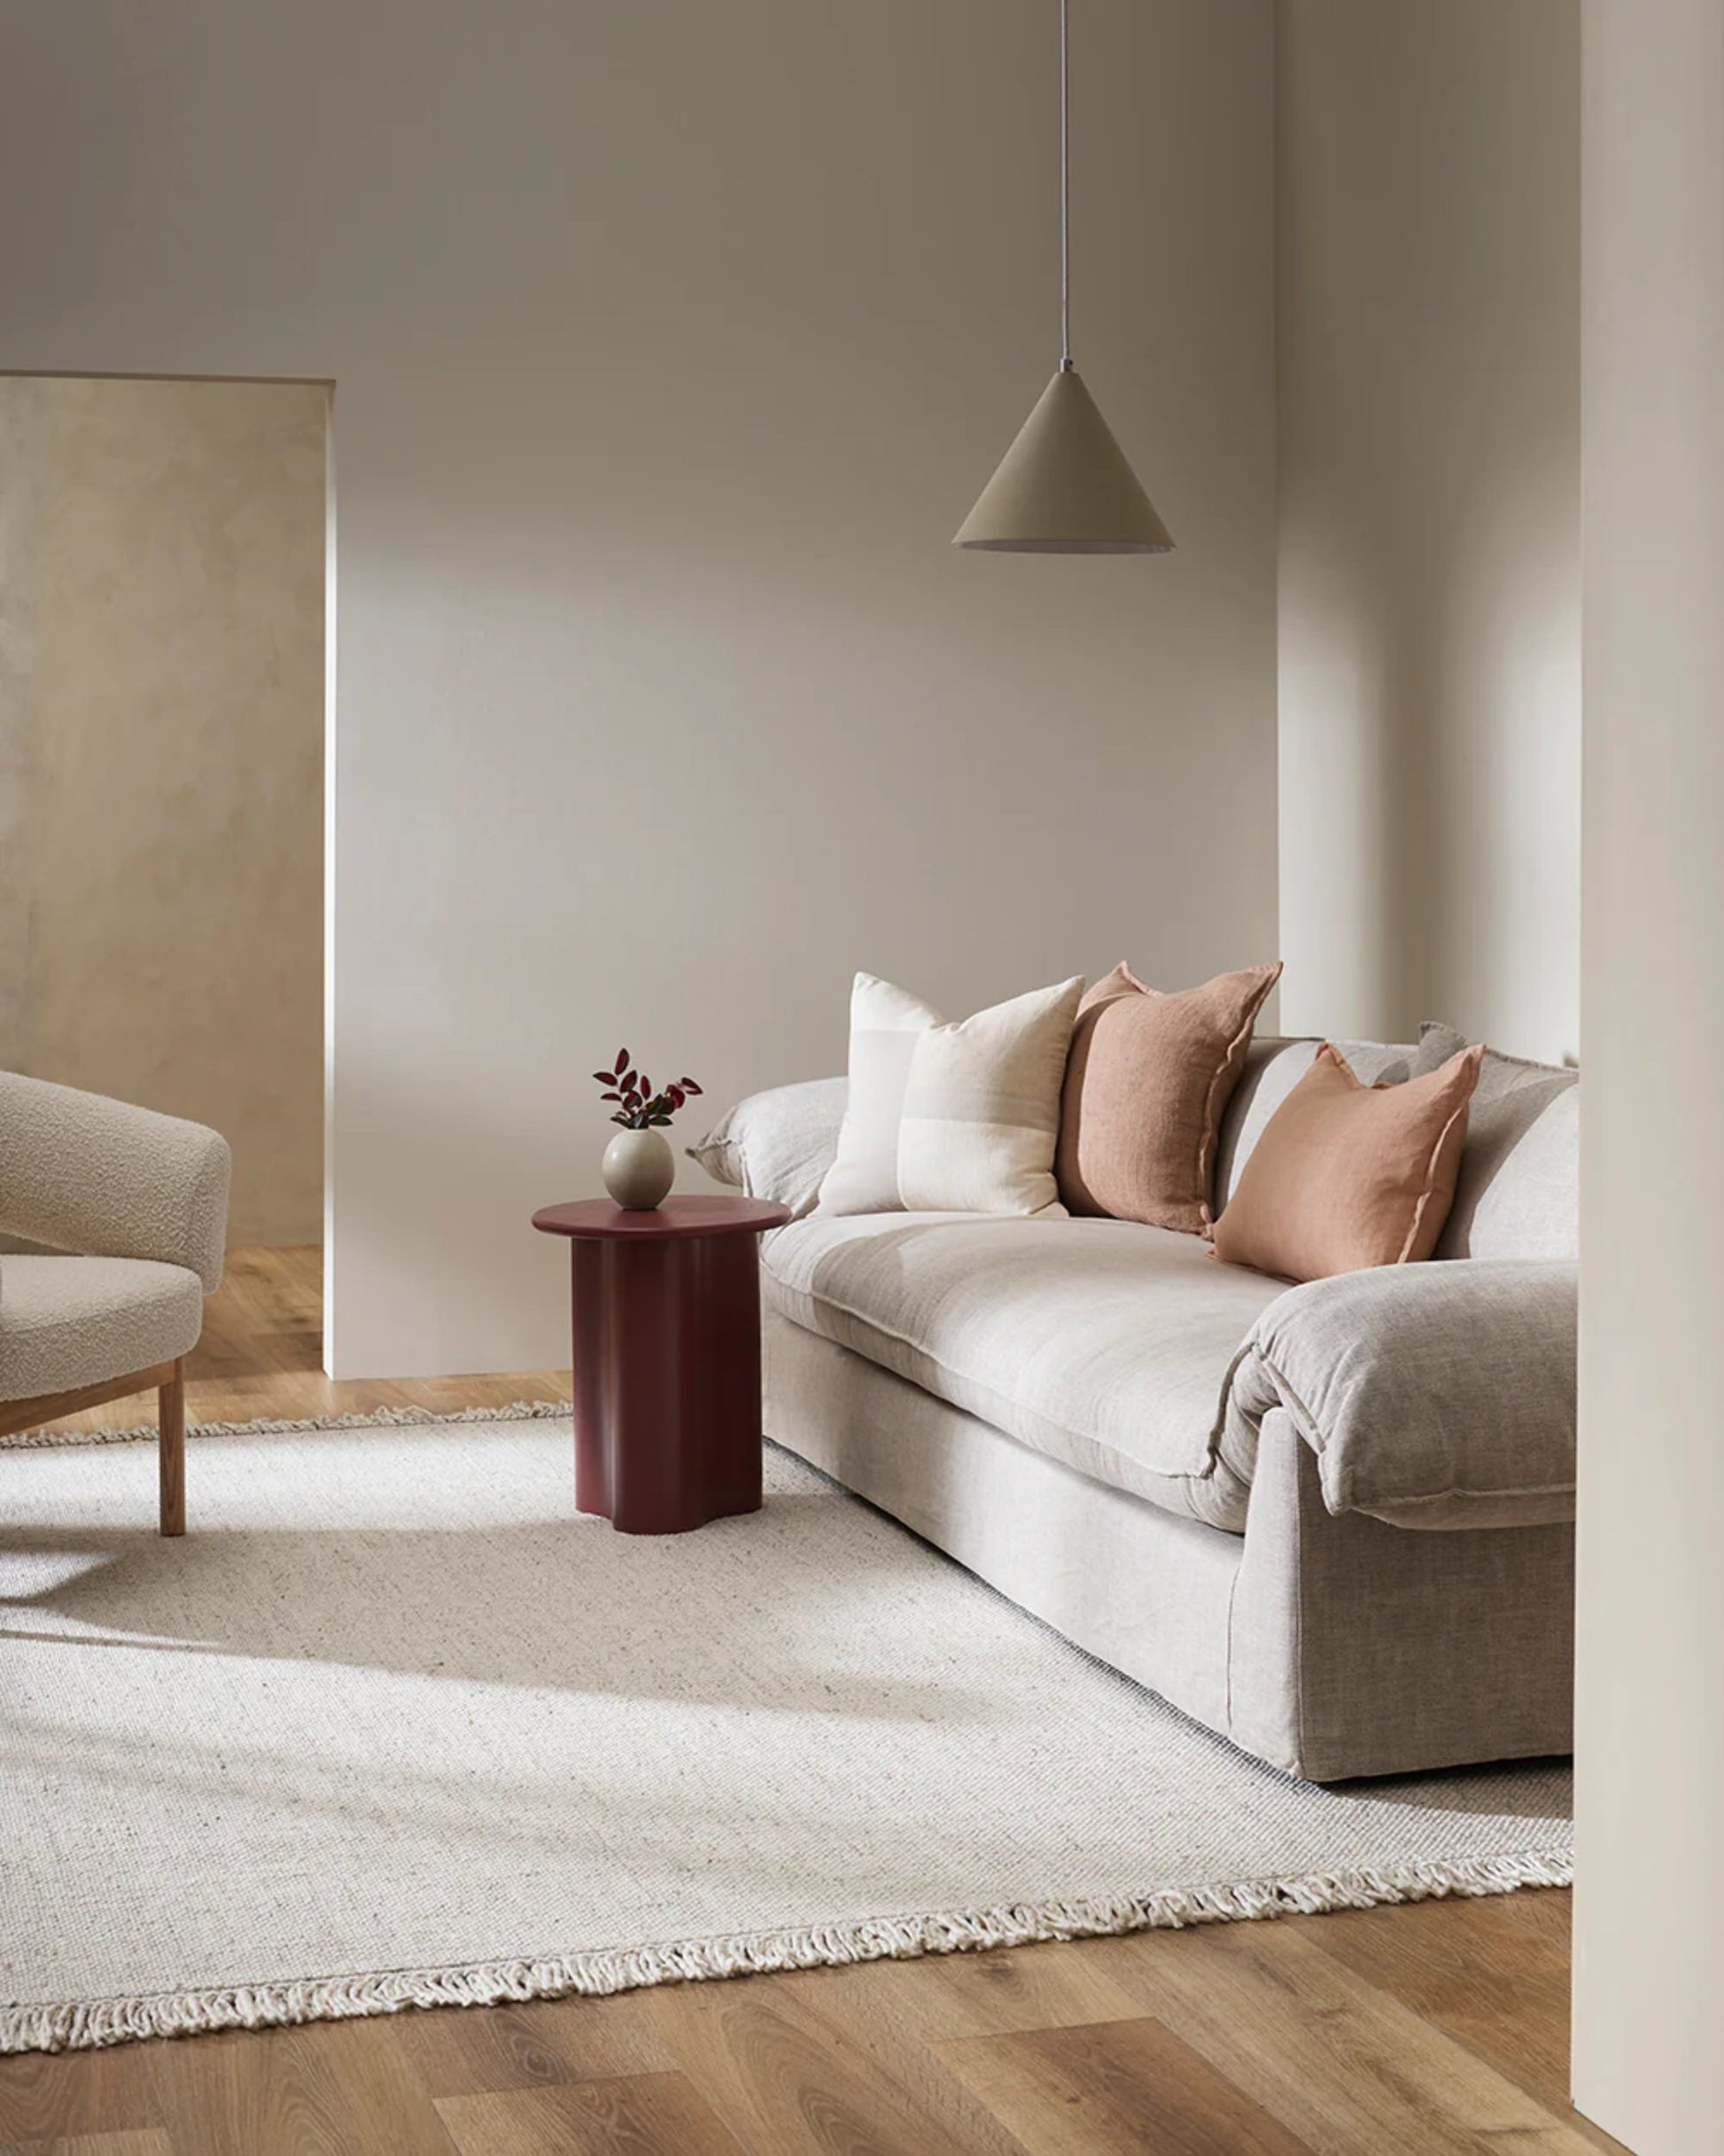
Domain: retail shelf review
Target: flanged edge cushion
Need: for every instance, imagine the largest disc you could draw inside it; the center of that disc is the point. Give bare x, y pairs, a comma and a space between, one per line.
1347, 1175
1148, 1078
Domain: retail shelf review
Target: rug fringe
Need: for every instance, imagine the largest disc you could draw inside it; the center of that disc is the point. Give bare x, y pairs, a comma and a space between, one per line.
84, 2025
266, 1425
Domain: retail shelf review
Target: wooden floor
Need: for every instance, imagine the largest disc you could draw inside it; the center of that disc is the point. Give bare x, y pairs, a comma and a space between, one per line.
1419, 2031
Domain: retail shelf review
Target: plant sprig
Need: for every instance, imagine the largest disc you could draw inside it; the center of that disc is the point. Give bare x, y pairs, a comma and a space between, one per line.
638, 1107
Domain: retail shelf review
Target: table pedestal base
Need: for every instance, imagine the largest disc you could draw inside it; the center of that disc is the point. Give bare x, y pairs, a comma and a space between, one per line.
667, 1379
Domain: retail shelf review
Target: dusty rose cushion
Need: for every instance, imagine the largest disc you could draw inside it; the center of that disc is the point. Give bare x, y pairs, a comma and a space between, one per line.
1147, 1080
1346, 1176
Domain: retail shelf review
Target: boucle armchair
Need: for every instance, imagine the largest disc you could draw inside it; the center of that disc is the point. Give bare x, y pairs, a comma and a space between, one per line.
134, 1206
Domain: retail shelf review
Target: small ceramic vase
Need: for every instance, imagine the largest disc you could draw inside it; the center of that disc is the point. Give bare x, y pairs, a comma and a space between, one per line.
639, 1170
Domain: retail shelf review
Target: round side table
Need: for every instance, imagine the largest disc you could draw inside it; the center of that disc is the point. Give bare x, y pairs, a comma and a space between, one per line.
667, 1357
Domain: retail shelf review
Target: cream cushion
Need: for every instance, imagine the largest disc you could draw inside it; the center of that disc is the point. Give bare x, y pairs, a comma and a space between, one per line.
68, 1322
982, 1107
960, 1117
1102, 1343
884, 1021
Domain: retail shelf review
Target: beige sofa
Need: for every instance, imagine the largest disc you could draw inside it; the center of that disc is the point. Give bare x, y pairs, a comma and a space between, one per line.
1333, 1523
133, 1207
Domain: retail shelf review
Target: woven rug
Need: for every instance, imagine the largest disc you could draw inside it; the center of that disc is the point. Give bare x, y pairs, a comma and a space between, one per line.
395, 1725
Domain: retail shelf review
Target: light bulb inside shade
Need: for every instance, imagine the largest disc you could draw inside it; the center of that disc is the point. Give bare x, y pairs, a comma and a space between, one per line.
1064, 486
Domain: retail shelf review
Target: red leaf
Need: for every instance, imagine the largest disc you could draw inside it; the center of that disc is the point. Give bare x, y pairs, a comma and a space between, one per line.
622, 1063
628, 1081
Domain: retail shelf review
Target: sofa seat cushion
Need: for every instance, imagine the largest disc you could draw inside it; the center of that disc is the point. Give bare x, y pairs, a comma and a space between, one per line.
68, 1322
1102, 1343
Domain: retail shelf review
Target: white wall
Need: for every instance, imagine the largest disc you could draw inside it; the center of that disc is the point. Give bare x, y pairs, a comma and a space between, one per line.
671, 342
1649, 1946
1428, 417
161, 722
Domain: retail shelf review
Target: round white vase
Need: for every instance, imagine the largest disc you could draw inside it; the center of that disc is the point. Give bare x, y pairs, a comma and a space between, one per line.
639, 1168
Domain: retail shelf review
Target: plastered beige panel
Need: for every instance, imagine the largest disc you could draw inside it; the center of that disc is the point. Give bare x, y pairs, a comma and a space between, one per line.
161, 749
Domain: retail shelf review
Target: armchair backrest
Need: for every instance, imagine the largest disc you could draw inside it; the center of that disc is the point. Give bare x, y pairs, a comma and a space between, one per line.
82, 1172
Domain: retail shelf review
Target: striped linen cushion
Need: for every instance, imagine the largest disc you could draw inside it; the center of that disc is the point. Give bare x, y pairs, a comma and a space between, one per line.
885, 1022
959, 1117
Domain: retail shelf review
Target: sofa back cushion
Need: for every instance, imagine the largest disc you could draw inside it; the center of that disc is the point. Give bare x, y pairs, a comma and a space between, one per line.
1519, 1192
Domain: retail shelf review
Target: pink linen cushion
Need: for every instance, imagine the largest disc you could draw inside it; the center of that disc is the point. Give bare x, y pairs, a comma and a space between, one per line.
1347, 1175
1147, 1080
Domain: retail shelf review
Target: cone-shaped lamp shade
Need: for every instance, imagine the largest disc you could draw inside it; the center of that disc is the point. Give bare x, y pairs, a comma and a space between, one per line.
1064, 486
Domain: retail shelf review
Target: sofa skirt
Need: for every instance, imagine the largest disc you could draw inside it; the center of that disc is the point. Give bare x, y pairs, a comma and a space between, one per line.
1332, 1648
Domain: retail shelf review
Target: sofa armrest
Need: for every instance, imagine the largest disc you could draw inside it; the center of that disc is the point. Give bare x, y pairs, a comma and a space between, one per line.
1434, 1395
778, 1145
81, 1172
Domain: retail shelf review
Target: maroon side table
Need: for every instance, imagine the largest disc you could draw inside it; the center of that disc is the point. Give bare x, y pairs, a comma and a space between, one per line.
667, 1357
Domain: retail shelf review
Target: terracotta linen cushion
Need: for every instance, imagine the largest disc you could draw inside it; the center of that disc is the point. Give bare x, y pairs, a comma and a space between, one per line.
1347, 1175
1147, 1080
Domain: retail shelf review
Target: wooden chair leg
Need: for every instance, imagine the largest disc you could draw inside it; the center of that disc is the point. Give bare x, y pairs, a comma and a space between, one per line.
170, 1446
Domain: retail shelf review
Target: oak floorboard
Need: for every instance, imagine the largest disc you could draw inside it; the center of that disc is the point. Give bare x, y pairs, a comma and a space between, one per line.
1467, 1967
898, 2014
1115, 2088
456, 2049
1345, 2065
791, 2077
997, 1993
53, 2096
147, 2141
648, 2115
326, 2089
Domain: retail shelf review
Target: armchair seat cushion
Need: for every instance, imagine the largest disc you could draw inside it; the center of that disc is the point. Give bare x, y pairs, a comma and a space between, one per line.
68, 1322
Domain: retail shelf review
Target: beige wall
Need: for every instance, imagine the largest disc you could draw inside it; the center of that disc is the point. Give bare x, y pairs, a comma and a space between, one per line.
1428, 439
161, 725
671, 343
1649, 1945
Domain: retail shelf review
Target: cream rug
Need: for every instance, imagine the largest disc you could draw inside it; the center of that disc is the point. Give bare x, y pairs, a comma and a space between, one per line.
395, 1725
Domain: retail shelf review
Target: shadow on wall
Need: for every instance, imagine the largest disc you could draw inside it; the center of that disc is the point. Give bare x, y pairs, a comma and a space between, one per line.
1428, 396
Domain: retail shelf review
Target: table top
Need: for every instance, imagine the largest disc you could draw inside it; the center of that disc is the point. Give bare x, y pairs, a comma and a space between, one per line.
712, 1216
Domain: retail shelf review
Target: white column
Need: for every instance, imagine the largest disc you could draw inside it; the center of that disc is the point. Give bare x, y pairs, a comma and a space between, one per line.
1649, 2006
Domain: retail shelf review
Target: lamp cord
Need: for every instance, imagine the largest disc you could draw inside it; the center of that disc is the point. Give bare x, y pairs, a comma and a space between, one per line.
1065, 198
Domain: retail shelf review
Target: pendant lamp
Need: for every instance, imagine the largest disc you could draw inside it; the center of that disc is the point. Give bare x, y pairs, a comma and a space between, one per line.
1064, 486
